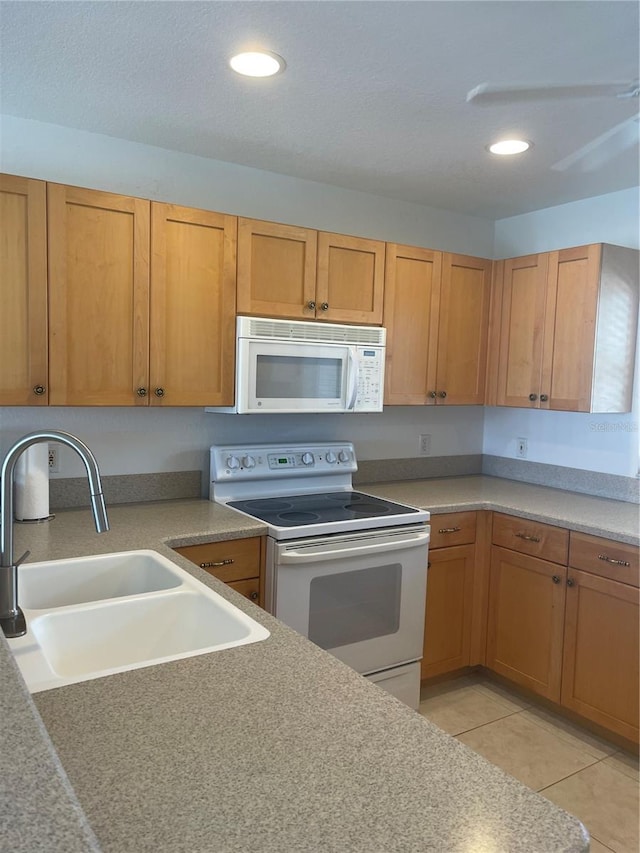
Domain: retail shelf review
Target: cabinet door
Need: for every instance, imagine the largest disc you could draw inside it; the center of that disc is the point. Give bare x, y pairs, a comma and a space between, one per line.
447, 632
521, 331
411, 295
570, 327
276, 270
350, 279
601, 663
98, 297
192, 338
526, 618
23, 271
463, 330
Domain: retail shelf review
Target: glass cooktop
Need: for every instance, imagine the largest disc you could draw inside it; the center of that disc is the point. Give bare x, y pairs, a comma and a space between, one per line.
297, 510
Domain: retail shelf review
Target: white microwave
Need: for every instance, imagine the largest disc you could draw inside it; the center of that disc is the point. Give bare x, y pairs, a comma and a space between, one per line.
295, 366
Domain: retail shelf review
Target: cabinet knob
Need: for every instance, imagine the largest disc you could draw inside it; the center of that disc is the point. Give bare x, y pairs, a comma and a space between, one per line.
571, 582
159, 392
254, 596
324, 306
556, 578
544, 398
432, 395
39, 390
428, 565
533, 397
311, 304
442, 394
141, 392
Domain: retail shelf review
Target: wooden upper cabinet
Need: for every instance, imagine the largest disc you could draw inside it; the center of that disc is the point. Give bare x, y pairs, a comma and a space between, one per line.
522, 326
463, 330
411, 295
23, 277
568, 330
192, 325
276, 270
350, 279
300, 274
98, 297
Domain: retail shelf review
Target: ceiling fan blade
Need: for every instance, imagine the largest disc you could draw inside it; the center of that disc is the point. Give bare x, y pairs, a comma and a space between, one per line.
487, 94
603, 148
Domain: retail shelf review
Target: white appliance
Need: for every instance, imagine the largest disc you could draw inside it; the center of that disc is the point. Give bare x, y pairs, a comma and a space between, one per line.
346, 569
295, 366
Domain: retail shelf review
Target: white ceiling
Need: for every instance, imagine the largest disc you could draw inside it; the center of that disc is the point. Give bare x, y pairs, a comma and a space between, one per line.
373, 97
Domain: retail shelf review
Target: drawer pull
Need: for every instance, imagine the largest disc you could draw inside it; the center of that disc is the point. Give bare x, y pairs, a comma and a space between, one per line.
226, 562
449, 530
527, 537
612, 561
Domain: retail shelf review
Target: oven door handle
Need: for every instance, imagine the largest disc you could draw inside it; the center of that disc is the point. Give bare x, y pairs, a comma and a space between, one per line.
309, 555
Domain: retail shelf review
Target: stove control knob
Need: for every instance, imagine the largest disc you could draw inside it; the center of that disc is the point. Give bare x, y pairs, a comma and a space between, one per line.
330, 457
233, 462
248, 462
307, 458
343, 456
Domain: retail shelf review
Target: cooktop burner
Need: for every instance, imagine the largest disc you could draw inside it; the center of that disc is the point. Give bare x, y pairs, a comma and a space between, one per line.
294, 510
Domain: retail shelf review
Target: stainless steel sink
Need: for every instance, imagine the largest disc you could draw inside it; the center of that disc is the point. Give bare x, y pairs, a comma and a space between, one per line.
94, 616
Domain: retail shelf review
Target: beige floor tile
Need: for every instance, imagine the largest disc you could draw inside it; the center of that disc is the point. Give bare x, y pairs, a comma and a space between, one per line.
443, 687
534, 755
501, 694
570, 733
606, 801
597, 847
625, 763
462, 709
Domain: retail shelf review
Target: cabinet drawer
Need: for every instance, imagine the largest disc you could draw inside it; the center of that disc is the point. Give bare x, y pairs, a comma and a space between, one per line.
452, 528
604, 557
531, 537
249, 588
229, 560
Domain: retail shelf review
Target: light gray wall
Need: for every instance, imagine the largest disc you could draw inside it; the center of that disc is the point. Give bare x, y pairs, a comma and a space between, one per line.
53, 153
132, 440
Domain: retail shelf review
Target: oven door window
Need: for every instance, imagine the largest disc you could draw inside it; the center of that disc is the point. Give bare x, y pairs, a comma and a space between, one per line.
354, 606
281, 377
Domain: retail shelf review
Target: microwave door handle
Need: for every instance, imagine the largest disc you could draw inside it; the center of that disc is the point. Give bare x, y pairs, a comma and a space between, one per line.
353, 380
316, 556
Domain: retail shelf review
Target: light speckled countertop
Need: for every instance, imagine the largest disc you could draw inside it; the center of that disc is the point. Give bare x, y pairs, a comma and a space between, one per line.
275, 746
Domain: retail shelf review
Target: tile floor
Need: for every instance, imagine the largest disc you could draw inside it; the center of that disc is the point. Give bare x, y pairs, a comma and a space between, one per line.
578, 771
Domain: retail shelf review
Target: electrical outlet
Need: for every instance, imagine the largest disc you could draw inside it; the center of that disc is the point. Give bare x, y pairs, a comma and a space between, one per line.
522, 447
424, 445
53, 459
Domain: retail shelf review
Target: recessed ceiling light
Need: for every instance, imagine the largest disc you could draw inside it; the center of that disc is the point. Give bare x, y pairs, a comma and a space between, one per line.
256, 63
509, 146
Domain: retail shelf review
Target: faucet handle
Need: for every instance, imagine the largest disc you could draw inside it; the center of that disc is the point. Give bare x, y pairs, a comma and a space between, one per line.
21, 559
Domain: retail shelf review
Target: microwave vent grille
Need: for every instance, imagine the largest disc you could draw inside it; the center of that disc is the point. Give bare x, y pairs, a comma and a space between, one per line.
318, 332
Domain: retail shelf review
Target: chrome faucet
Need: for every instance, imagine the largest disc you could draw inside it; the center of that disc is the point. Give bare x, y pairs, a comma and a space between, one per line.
12, 619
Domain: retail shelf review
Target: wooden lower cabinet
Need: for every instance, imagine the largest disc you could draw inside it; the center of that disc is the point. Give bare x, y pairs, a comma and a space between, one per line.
450, 594
237, 562
564, 633
525, 620
447, 633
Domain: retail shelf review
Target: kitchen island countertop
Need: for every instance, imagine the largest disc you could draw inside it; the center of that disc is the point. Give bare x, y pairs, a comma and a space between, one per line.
275, 746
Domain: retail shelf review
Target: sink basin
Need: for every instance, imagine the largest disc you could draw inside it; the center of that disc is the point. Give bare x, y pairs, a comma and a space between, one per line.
95, 616
59, 583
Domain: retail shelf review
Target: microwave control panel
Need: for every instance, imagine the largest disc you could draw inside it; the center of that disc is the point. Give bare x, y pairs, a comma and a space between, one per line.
370, 379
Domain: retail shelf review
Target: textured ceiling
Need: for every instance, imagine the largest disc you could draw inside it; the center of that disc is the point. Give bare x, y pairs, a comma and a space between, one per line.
373, 97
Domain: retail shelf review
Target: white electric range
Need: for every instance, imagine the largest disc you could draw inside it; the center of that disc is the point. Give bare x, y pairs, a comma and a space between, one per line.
346, 569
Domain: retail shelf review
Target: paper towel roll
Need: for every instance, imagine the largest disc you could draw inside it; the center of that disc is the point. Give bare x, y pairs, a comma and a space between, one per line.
32, 483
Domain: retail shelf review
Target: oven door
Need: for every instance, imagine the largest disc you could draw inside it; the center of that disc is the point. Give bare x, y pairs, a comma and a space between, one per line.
273, 376
360, 596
